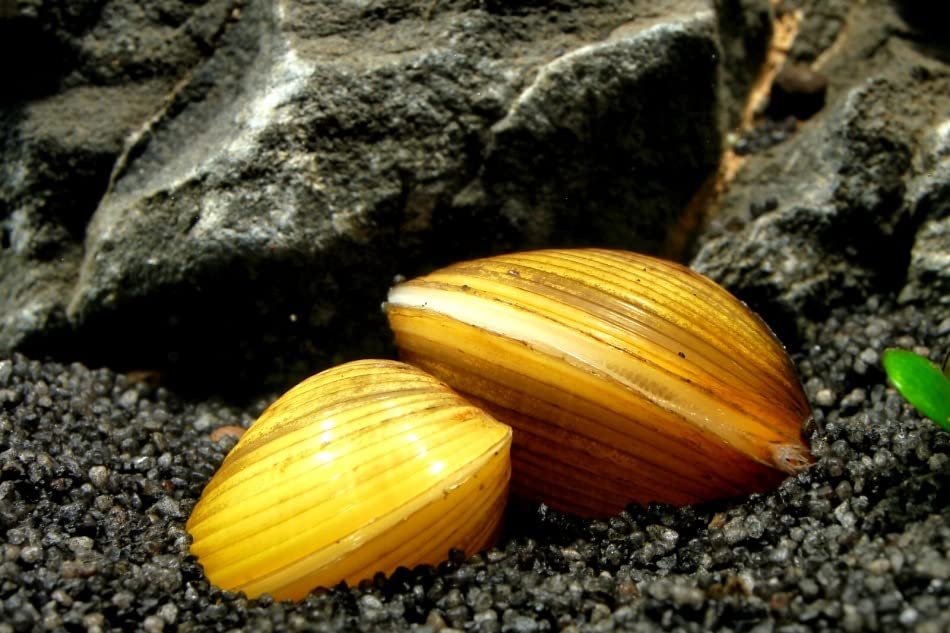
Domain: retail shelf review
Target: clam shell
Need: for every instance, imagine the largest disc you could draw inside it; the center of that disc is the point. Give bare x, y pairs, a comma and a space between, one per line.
360, 469
626, 378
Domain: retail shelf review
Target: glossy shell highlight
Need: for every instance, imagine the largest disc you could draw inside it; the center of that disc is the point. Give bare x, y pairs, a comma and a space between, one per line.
360, 469
627, 378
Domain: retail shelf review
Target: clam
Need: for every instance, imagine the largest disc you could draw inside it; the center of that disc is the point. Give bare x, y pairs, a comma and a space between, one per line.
626, 378
360, 469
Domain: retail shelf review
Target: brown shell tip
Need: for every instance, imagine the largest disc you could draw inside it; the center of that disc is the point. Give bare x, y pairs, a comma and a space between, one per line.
791, 458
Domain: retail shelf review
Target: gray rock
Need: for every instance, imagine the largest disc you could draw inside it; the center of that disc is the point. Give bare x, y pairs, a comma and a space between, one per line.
259, 183
821, 25
746, 27
928, 275
848, 193
86, 75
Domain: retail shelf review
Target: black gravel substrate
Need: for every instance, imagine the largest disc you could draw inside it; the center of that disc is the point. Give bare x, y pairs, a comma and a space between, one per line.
99, 471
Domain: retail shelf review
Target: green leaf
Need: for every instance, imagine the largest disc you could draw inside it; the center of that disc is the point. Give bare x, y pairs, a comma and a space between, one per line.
921, 384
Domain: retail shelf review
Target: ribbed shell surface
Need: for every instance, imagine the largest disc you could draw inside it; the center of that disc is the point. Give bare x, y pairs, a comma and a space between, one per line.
360, 469
626, 378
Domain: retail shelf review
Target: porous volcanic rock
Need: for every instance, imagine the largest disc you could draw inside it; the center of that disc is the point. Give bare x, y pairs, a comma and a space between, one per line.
79, 78
856, 202
245, 203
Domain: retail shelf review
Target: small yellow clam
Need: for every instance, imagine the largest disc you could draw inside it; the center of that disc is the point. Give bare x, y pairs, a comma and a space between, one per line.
360, 469
626, 378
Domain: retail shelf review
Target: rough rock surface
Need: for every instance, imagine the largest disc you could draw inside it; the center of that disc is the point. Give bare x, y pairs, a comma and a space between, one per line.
262, 206
857, 200
86, 75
